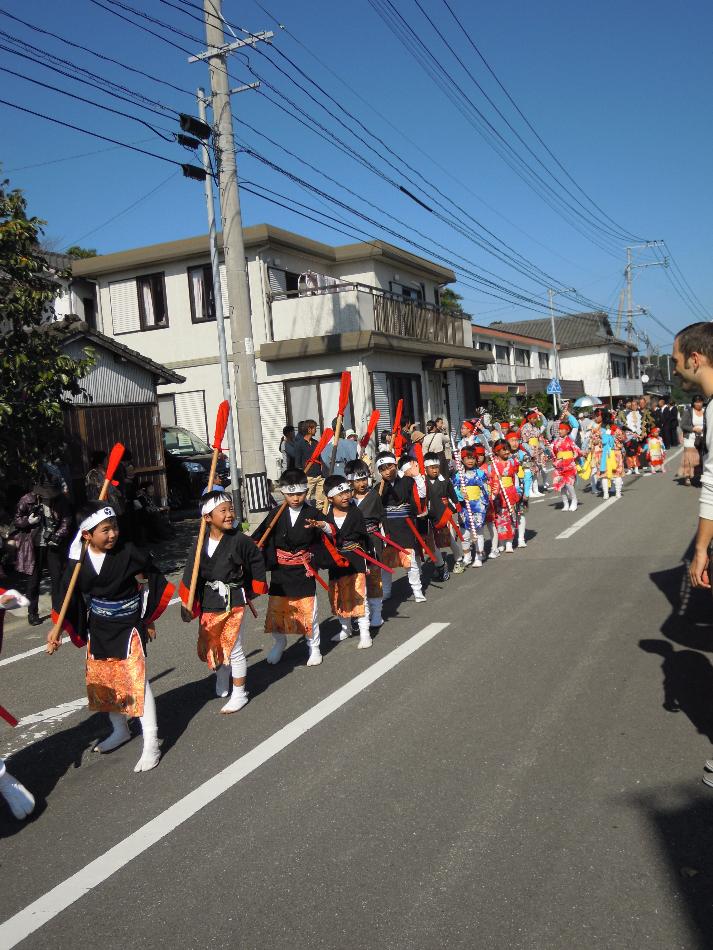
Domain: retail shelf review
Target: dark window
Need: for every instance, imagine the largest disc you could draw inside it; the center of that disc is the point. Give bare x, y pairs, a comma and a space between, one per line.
502, 353
484, 345
522, 357
544, 360
408, 388
200, 291
90, 312
152, 301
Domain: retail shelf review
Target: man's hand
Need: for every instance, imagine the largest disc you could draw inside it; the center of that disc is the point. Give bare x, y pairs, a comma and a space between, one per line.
151, 631
698, 569
186, 616
54, 640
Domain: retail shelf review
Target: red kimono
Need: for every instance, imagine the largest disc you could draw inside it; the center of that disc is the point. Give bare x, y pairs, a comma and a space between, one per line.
504, 489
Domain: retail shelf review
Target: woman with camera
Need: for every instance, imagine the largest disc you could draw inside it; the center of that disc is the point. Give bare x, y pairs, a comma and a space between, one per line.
44, 522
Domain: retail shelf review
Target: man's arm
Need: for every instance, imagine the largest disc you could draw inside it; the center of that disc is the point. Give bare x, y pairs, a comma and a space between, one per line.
698, 569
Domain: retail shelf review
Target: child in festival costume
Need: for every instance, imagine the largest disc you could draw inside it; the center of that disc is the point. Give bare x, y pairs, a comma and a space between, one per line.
288, 552
525, 482
231, 569
632, 452
616, 459
20, 802
347, 573
400, 498
368, 500
565, 453
504, 493
532, 438
467, 433
656, 451
115, 619
470, 484
443, 508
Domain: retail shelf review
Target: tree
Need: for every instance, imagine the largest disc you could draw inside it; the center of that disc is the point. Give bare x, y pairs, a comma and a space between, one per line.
451, 302
34, 373
81, 252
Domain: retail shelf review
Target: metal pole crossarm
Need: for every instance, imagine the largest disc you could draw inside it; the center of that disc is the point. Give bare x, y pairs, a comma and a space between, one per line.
245, 88
265, 36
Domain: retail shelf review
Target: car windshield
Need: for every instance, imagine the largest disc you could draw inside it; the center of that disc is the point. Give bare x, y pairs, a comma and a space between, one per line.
184, 443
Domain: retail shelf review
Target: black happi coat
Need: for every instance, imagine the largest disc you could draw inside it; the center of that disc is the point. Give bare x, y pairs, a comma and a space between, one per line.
236, 561
399, 500
352, 532
116, 581
287, 581
441, 495
372, 508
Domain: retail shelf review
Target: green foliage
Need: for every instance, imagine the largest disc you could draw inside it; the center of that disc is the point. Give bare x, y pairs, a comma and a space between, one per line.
505, 405
34, 373
451, 301
81, 252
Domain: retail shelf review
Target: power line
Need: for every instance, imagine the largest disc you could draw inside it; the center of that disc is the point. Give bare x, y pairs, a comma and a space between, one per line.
527, 122
93, 52
169, 137
124, 211
96, 135
71, 158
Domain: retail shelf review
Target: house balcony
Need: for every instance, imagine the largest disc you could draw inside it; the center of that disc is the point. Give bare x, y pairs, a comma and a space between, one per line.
354, 317
352, 308
501, 372
624, 386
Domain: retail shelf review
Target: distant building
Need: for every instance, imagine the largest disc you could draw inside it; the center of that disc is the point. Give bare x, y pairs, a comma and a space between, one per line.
588, 351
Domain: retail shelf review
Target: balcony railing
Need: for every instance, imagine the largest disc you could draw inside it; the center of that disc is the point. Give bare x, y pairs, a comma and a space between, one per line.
345, 307
501, 372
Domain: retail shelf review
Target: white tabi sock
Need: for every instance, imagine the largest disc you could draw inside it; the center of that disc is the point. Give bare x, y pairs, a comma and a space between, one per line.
365, 640
279, 643
345, 632
118, 736
238, 699
315, 656
20, 802
151, 752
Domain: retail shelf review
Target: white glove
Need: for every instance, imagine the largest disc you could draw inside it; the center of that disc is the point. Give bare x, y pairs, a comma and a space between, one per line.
12, 599
33, 519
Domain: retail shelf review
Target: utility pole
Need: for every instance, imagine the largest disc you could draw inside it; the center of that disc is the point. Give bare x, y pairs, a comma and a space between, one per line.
629, 277
219, 315
252, 453
551, 297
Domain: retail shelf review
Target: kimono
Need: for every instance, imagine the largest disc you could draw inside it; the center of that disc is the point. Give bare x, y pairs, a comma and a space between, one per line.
347, 574
289, 553
656, 452
616, 460
230, 576
632, 453
401, 500
443, 509
565, 452
531, 437
372, 510
473, 494
524, 473
111, 614
504, 494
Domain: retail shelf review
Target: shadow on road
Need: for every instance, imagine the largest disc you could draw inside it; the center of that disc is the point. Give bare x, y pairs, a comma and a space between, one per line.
682, 820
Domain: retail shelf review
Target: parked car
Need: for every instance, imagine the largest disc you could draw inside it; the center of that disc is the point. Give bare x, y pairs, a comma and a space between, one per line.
188, 461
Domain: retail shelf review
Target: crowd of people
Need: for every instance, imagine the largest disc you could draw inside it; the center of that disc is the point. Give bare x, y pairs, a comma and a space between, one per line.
354, 519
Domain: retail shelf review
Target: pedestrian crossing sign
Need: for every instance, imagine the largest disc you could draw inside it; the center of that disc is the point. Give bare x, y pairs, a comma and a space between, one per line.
554, 388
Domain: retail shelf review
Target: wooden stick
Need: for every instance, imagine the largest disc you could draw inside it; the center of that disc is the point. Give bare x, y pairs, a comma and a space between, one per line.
55, 634
221, 423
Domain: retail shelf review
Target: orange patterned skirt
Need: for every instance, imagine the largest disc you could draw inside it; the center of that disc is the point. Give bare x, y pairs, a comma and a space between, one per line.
118, 685
289, 615
392, 557
374, 585
217, 635
347, 595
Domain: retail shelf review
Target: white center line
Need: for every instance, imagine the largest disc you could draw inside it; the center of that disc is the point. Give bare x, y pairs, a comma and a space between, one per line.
41, 911
43, 649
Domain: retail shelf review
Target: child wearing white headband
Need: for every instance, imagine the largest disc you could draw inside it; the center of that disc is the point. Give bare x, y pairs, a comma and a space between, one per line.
114, 617
231, 571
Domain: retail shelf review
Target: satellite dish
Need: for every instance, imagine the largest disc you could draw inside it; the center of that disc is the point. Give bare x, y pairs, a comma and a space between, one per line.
644, 379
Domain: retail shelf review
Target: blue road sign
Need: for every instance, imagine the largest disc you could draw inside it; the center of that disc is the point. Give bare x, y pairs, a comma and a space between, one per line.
554, 388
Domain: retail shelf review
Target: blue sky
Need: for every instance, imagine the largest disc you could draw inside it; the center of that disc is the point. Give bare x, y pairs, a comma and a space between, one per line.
619, 93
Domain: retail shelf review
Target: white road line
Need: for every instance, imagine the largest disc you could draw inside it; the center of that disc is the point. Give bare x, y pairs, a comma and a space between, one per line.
43, 648
41, 911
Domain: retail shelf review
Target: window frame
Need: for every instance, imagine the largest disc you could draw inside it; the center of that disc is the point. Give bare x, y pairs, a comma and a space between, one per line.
210, 296
142, 312
317, 381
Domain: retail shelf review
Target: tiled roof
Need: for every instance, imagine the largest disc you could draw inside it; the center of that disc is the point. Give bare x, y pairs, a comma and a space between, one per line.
574, 330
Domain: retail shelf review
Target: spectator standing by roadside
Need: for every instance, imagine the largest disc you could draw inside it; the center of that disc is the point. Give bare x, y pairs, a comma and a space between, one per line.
287, 448
693, 359
44, 522
692, 424
94, 479
670, 430
347, 451
304, 447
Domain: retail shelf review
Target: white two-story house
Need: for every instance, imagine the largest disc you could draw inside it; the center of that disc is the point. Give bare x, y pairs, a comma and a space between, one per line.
317, 310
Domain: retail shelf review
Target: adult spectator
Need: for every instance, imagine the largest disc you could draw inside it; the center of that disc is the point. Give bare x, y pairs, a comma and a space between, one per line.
633, 419
647, 417
44, 522
670, 431
305, 444
692, 424
94, 480
434, 442
347, 451
287, 448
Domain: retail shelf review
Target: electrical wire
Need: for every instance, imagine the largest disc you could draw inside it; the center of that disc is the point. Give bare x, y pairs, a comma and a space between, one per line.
71, 158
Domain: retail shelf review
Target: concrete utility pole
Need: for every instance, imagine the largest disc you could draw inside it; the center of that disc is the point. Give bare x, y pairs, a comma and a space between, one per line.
629, 277
252, 453
219, 315
551, 297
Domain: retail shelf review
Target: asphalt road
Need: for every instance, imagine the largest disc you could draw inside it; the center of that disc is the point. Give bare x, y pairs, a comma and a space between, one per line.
497, 772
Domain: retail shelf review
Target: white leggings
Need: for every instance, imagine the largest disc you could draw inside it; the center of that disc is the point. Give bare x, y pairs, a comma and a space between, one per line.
568, 493
479, 540
149, 724
238, 660
414, 577
363, 622
313, 641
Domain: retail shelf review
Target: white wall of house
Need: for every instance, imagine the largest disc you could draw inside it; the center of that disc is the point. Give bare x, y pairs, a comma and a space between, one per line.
591, 365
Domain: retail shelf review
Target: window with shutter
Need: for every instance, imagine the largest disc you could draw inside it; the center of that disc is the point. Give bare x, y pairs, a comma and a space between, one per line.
380, 387
124, 307
151, 292
200, 292
190, 412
